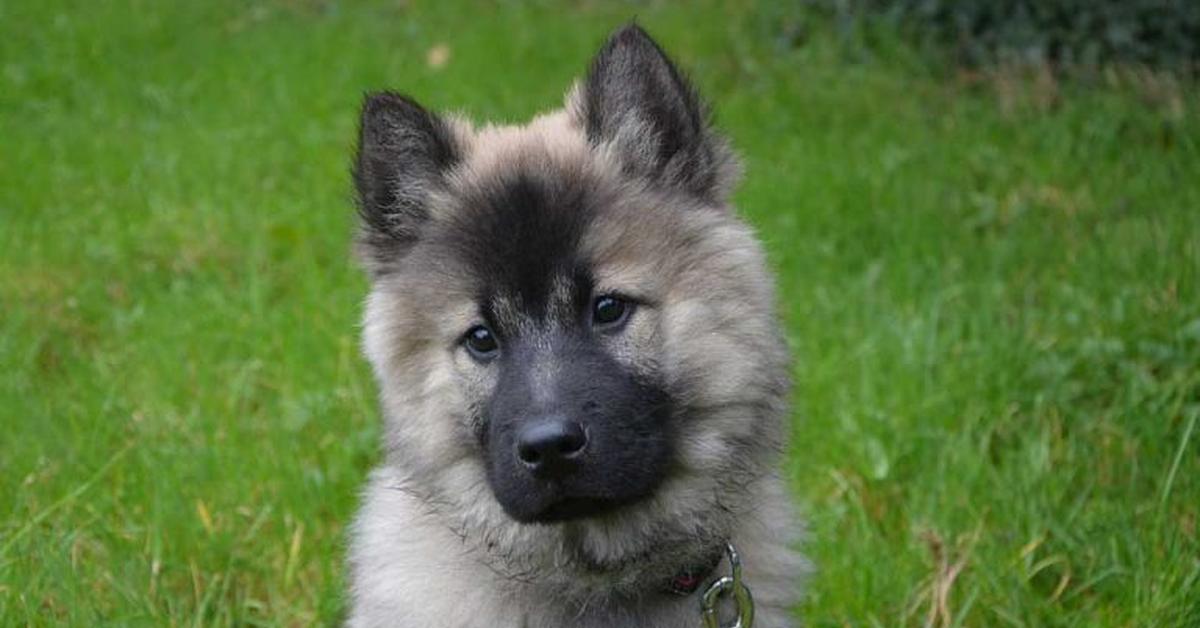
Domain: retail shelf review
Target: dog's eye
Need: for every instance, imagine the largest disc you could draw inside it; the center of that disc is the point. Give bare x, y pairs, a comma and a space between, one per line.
610, 311
481, 343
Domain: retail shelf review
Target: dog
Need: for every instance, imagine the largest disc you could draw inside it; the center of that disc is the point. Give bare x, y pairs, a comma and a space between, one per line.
582, 375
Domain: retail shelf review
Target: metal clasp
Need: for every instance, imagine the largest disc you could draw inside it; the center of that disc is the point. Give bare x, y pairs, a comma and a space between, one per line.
728, 586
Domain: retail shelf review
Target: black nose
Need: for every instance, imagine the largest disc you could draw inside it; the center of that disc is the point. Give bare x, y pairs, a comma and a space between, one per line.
550, 447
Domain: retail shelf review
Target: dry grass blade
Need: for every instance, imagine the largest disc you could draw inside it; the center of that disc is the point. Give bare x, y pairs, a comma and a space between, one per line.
948, 565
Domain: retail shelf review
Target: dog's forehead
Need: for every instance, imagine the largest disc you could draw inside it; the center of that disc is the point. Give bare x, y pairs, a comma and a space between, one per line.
555, 137
515, 215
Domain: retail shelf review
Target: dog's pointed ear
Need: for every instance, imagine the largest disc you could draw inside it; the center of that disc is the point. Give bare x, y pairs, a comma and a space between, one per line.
403, 154
636, 100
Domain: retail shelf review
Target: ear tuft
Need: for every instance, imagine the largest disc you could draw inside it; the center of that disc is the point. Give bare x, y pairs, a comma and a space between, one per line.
635, 99
403, 154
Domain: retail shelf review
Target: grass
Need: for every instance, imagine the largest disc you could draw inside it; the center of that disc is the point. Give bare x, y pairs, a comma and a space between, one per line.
991, 286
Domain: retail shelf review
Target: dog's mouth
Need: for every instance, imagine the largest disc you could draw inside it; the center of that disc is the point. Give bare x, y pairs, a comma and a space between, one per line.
571, 508
553, 502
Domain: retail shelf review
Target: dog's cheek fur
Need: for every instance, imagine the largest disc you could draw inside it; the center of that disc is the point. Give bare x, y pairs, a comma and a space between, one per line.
739, 326
427, 392
714, 307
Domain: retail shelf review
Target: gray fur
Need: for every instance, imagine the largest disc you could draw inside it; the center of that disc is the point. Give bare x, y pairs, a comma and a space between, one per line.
431, 545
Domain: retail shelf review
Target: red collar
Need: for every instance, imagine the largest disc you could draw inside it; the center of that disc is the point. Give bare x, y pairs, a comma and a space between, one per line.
688, 579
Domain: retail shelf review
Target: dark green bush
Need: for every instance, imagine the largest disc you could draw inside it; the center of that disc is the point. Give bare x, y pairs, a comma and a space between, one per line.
1063, 33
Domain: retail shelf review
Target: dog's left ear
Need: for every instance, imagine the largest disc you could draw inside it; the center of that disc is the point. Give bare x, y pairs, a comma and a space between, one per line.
637, 101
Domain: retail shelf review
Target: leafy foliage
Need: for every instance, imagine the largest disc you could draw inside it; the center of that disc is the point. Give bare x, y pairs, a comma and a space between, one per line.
1160, 33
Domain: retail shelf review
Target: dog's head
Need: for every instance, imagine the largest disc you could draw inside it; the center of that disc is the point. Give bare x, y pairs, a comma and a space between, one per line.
568, 324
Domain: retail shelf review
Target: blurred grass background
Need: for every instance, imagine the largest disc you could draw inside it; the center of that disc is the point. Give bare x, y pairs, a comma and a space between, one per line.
990, 280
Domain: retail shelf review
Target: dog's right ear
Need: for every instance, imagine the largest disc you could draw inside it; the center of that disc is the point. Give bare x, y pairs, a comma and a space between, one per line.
636, 100
403, 154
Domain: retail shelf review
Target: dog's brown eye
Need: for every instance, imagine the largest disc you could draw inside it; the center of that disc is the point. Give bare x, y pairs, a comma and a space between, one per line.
481, 343
610, 311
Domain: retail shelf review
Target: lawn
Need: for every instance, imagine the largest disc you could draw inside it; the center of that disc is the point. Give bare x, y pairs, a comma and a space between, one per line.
991, 283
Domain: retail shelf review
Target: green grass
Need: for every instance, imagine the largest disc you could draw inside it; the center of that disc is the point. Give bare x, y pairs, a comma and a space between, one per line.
991, 289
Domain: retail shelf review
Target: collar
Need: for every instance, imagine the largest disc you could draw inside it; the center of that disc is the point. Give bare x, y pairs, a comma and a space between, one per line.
690, 577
